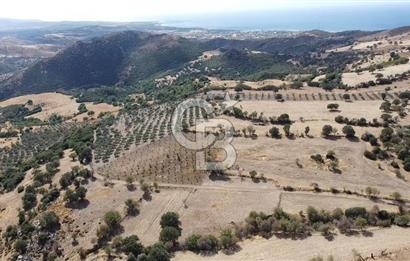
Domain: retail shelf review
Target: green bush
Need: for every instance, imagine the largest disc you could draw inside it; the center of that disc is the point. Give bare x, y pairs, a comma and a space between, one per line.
49, 221
169, 234
370, 155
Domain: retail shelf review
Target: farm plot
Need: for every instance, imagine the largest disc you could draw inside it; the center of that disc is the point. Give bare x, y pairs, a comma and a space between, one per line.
32, 143
163, 161
299, 96
277, 159
316, 110
203, 209
136, 128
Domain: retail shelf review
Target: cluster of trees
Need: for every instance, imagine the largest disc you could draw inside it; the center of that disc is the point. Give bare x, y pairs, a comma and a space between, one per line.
131, 245
348, 131
393, 141
275, 133
244, 115
21, 234
333, 160
362, 122
351, 220
80, 139
17, 113
398, 142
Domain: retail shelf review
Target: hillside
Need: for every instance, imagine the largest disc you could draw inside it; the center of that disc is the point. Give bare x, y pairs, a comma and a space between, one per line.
122, 56
125, 58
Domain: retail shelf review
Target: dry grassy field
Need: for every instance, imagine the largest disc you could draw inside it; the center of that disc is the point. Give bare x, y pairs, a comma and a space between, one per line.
57, 103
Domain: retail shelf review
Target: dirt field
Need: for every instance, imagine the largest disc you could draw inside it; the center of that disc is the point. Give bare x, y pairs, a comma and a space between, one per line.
340, 248
276, 159
353, 79
296, 201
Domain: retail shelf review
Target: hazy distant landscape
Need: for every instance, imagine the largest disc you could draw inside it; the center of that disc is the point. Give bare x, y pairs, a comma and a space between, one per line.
275, 131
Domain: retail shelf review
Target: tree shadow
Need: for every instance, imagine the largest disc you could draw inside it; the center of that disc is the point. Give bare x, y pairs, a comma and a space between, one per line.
367, 233
218, 177
131, 187
353, 139
147, 196
78, 204
232, 250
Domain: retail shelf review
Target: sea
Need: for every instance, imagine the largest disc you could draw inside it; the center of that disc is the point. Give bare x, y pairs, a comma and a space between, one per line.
366, 17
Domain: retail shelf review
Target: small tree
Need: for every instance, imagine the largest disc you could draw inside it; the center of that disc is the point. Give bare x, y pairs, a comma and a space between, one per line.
131, 207
253, 174
20, 246
361, 223
170, 219
327, 130
158, 252
274, 132
81, 192
130, 183
333, 107
73, 156
349, 131
372, 192
286, 129
396, 196
227, 239
169, 234
82, 108
49, 221
112, 219
307, 130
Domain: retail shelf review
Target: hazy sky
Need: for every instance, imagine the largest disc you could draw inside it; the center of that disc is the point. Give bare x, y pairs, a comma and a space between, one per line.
138, 10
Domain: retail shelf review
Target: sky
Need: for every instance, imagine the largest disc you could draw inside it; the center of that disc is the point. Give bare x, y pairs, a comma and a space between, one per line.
149, 10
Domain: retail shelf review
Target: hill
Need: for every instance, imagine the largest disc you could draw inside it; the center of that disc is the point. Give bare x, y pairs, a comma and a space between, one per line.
121, 57
127, 57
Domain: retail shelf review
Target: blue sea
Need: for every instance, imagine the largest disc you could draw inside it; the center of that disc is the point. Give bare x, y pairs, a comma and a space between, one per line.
368, 17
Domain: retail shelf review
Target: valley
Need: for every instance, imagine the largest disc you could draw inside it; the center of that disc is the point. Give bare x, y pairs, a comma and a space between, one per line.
92, 166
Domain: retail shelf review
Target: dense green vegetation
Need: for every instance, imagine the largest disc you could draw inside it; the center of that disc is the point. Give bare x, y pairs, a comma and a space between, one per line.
17, 113
44, 147
235, 64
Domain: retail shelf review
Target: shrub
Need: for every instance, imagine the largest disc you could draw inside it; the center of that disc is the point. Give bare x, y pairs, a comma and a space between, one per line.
158, 252
103, 232
112, 219
402, 220
49, 221
318, 158
132, 245
29, 198
11, 232
131, 207
227, 239
327, 130
283, 119
370, 155
20, 246
361, 222
192, 242
333, 106
274, 132
356, 212
208, 243
348, 131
